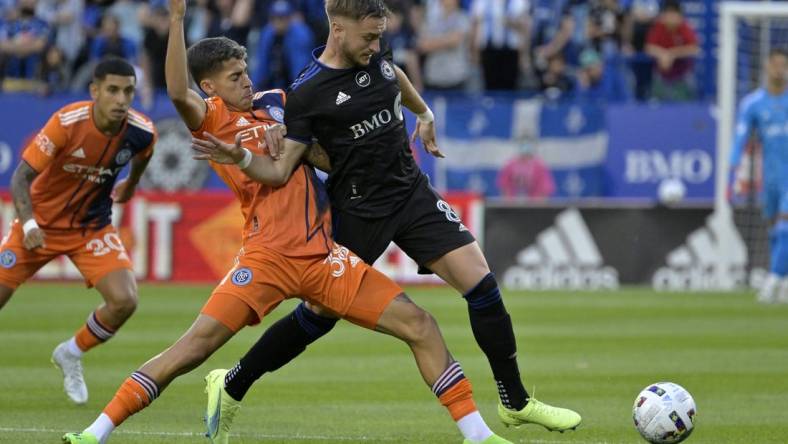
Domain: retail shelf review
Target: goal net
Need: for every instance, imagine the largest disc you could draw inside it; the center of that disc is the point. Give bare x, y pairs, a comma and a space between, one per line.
747, 33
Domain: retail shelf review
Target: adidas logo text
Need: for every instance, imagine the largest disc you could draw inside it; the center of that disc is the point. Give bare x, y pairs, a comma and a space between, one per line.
342, 98
242, 122
563, 256
714, 257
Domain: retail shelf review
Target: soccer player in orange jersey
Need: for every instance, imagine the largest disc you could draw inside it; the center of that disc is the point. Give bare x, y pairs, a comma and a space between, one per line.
287, 248
63, 189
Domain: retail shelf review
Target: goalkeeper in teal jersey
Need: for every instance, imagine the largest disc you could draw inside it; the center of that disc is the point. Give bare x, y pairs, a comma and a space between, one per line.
764, 114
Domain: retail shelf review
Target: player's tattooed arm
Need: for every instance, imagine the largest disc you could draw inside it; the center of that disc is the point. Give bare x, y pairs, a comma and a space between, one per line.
20, 190
316, 156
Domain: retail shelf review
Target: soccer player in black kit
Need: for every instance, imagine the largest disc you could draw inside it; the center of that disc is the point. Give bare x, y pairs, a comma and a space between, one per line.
349, 101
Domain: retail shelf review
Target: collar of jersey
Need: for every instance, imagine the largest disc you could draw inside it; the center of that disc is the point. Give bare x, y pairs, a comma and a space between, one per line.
316, 54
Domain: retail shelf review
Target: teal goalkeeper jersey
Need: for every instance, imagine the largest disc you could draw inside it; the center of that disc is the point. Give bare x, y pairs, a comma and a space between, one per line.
766, 116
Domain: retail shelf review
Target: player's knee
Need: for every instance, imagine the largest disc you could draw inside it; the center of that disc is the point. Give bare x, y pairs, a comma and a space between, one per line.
420, 326
318, 310
5, 295
123, 303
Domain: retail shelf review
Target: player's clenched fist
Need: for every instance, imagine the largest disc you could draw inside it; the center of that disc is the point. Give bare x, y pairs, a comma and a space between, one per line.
177, 8
34, 239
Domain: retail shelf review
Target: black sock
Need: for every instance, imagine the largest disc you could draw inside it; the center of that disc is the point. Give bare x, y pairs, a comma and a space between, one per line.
492, 328
278, 345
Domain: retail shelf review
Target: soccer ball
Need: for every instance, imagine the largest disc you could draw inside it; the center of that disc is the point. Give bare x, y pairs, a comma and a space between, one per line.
671, 190
664, 413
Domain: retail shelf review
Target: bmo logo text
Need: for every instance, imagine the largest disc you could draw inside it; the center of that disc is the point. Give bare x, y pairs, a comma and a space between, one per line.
651, 166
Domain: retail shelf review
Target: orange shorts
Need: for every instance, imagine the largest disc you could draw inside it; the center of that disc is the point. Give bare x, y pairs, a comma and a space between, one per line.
95, 253
340, 282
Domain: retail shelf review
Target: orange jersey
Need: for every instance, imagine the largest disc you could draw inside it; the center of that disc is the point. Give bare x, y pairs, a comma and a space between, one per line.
294, 219
78, 165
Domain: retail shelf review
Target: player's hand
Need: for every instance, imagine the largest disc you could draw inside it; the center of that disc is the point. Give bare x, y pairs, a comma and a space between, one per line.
217, 151
177, 8
275, 140
123, 191
34, 239
426, 132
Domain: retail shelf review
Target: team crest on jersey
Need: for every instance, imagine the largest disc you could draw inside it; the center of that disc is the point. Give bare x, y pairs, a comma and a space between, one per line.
242, 276
7, 259
123, 156
387, 70
277, 113
363, 79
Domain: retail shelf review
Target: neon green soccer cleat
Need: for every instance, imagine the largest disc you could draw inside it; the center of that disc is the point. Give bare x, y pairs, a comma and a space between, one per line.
221, 408
555, 419
79, 438
494, 439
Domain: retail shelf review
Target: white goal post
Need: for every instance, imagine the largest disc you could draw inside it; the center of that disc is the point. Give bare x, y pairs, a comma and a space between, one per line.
726, 81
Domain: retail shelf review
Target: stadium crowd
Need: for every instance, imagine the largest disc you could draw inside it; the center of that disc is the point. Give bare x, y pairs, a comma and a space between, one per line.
612, 50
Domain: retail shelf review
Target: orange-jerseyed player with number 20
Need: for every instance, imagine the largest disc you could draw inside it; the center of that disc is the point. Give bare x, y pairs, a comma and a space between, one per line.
63, 190
287, 249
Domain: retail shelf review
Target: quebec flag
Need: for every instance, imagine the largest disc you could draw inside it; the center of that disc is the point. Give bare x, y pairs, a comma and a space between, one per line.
480, 135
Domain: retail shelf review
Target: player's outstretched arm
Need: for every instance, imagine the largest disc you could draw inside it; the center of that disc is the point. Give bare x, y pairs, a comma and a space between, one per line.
20, 193
261, 169
425, 122
189, 104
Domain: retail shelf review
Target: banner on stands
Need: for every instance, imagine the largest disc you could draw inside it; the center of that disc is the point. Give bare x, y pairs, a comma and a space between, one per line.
597, 248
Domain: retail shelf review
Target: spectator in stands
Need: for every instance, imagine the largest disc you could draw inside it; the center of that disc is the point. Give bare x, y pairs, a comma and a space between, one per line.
55, 74
673, 44
526, 175
604, 27
314, 13
555, 82
498, 38
109, 42
230, 18
600, 80
127, 14
559, 28
637, 22
401, 39
155, 22
23, 41
284, 49
65, 19
444, 43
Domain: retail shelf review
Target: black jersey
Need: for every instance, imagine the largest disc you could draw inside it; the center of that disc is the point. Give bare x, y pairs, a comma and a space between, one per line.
355, 114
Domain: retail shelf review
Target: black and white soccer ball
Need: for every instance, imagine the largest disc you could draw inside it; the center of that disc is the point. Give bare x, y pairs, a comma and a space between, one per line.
664, 413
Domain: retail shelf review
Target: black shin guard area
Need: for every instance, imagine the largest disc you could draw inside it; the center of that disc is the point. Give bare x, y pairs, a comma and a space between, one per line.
492, 328
280, 344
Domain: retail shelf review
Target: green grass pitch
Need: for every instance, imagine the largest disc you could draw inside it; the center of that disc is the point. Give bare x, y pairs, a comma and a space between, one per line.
589, 351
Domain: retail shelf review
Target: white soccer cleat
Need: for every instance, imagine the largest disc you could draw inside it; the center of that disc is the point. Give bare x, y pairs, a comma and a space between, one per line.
768, 291
71, 367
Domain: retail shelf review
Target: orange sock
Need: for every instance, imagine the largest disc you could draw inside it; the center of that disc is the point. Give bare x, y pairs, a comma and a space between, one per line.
93, 333
455, 392
136, 393
459, 400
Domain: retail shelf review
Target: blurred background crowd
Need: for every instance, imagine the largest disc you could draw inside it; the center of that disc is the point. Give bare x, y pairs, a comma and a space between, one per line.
611, 50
